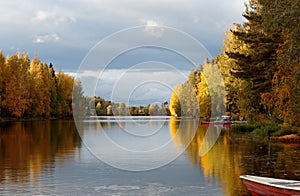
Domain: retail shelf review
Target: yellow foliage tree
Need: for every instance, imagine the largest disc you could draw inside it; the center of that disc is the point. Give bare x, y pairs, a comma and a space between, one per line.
64, 94
40, 84
174, 107
16, 90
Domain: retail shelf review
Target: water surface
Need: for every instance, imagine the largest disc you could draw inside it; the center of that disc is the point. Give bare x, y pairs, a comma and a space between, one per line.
51, 158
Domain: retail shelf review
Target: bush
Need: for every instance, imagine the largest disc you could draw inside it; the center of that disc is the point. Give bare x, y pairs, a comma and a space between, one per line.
284, 131
244, 128
265, 131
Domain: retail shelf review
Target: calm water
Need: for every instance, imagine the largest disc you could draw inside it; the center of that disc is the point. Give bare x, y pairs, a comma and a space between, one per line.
170, 157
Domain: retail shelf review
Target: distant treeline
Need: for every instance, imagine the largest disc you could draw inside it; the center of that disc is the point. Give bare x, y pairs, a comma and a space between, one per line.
260, 66
101, 107
32, 89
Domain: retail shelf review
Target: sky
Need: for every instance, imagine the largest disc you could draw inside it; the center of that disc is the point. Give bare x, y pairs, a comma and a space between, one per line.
67, 33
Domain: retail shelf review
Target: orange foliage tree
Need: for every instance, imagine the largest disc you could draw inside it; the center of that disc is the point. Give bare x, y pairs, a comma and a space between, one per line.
32, 89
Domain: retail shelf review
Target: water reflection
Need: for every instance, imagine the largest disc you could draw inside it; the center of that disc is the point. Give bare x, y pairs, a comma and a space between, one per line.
134, 143
45, 157
28, 149
229, 157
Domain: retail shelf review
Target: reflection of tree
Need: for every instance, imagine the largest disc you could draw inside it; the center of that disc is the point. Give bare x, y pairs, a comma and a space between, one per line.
221, 161
30, 148
229, 158
287, 164
178, 130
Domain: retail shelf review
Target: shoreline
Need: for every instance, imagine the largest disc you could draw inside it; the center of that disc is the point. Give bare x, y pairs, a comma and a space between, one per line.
286, 139
11, 119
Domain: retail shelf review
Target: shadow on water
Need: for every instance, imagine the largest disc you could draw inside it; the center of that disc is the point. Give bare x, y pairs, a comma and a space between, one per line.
32, 148
229, 157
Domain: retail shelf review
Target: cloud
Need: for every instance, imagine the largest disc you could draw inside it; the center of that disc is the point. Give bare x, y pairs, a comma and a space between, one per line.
82, 24
152, 28
196, 20
46, 38
137, 86
52, 17
151, 23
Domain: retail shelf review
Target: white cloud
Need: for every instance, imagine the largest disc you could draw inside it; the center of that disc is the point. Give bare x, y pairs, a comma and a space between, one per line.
52, 17
41, 16
82, 23
196, 20
151, 23
138, 85
46, 38
152, 27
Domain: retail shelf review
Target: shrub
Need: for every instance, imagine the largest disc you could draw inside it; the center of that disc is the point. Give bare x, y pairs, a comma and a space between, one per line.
244, 128
284, 131
265, 131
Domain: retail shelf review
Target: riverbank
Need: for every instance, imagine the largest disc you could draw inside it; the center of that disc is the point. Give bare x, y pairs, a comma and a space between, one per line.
273, 132
293, 138
31, 119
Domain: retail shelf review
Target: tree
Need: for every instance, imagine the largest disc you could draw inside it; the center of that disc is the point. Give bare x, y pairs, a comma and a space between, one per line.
15, 95
32, 89
53, 91
183, 101
254, 60
78, 100
175, 108
40, 89
98, 108
65, 85
109, 110
281, 20
203, 97
2, 86
122, 109
234, 86
155, 109
188, 101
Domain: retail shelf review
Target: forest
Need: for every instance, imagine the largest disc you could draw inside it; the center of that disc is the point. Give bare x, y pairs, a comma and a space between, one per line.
32, 89
260, 67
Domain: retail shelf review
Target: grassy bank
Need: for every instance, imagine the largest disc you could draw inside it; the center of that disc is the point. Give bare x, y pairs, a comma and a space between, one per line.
272, 132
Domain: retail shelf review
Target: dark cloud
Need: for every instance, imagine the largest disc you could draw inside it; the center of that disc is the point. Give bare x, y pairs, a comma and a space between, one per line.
62, 25
63, 33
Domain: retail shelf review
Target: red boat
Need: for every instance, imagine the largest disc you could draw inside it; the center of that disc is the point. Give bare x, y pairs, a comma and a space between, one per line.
270, 186
223, 123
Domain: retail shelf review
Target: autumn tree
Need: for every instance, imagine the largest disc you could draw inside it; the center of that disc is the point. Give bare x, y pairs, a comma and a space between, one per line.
78, 100
40, 89
175, 108
255, 62
53, 91
183, 101
214, 89
155, 109
98, 108
64, 94
30, 88
203, 97
15, 94
2, 87
281, 21
234, 86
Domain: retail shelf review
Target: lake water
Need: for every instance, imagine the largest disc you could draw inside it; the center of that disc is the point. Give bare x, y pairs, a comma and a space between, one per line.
134, 156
